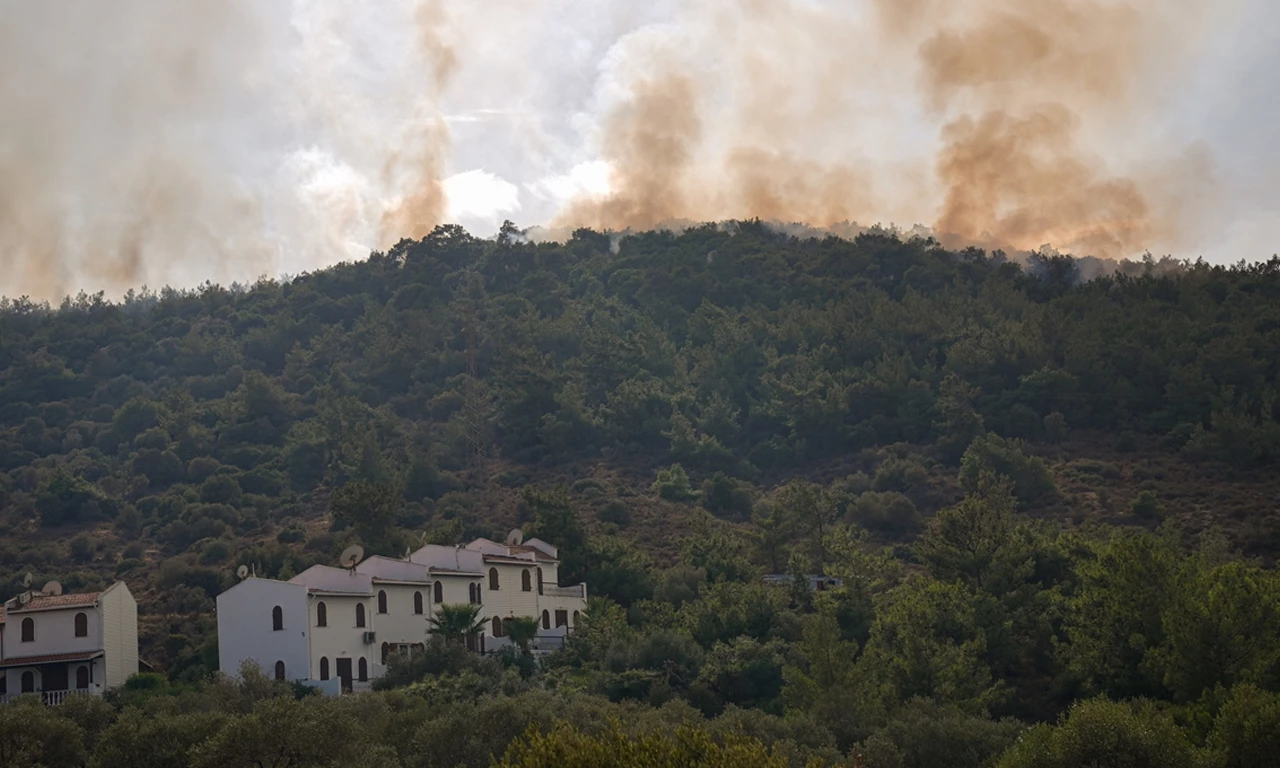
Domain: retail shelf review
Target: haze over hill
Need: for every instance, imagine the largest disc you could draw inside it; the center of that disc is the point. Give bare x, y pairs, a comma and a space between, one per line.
144, 144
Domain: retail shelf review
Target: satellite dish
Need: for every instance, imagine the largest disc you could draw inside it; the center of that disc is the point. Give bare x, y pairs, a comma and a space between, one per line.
515, 538
52, 589
242, 571
26, 580
351, 555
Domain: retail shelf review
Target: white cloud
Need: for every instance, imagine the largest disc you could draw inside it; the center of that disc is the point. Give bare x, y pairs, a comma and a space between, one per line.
480, 200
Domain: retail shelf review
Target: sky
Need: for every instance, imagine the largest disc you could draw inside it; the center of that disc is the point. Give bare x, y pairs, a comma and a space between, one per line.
150, 142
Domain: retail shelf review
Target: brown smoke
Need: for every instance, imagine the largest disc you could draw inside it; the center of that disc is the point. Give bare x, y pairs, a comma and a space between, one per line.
1022, 182
83, 197
651, 142
423, 161
144, 142
1020, 89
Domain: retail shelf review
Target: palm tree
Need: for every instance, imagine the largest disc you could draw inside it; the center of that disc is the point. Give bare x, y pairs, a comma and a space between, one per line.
456, 622
521, 630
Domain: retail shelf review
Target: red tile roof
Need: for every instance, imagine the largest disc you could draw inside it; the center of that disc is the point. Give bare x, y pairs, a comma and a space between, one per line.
49, 658
40, 603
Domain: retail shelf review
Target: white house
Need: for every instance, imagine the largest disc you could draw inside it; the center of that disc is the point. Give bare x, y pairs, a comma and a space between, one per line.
55, 644
336, 627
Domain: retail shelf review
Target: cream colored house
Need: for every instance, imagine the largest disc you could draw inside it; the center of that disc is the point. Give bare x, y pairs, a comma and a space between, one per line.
337, 627
508, 581
57, 645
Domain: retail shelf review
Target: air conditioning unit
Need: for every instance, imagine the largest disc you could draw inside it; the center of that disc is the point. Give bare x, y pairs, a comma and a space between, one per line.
369, 638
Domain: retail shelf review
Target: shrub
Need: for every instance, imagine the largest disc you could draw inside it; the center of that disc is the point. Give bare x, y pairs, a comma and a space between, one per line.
899, 474
726, 497
887, 512
589, 488
1055, 427
291, 534
1147, 506
615, 512
673, 484
1246, 731
81, 548
1104, 734
220, 489
1031, 478
215, 552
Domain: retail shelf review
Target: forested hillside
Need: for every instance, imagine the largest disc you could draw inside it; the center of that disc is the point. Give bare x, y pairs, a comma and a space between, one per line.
1034, 487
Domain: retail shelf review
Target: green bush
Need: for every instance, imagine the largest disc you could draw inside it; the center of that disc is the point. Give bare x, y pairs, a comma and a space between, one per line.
1105, 734
1032, 481
673, 484
1147, 506
615, 512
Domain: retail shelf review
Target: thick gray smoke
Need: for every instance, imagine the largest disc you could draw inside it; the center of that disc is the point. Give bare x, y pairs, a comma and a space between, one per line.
143, 141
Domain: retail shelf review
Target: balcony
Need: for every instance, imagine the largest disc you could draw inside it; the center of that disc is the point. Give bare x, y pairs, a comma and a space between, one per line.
49, 698
578, 591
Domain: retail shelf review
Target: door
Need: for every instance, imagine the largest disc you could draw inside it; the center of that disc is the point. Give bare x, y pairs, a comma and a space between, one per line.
54, 678
344, 673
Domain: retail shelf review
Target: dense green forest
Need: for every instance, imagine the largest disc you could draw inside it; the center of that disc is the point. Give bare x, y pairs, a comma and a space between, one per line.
1051, 501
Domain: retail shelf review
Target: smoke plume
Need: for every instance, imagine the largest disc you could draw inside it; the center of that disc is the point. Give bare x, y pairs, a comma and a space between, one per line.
1021, 91
146, 143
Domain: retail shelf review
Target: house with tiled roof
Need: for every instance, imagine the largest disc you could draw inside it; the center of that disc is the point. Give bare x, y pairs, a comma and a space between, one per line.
57, 645
337, 627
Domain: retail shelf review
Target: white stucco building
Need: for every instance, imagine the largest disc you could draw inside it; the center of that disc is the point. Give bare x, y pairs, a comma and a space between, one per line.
56, 645
336, 627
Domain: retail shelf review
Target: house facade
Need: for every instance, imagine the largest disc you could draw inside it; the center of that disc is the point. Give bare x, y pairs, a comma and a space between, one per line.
336, 628
57, 645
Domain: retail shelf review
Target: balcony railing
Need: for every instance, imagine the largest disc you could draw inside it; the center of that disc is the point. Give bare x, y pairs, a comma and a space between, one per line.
50, 698
574, 591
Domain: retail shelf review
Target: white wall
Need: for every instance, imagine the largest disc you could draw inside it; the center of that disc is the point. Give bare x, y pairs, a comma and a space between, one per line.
341, 637
245, 627
119, 613
399, 624
55, 632
510, 599
454, 588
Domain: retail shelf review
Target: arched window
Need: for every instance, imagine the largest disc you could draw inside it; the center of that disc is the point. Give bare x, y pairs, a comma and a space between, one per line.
382, 601
359, 614
539, 579
82, 625
322, 614
497, 627
363, 670
473, 592
28, 630
82, 678
574, 625
546, 620
417, 602
277, 619
386, 649
493, 579
526, 581
28, 682
437, 591
279, 670
324, 668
